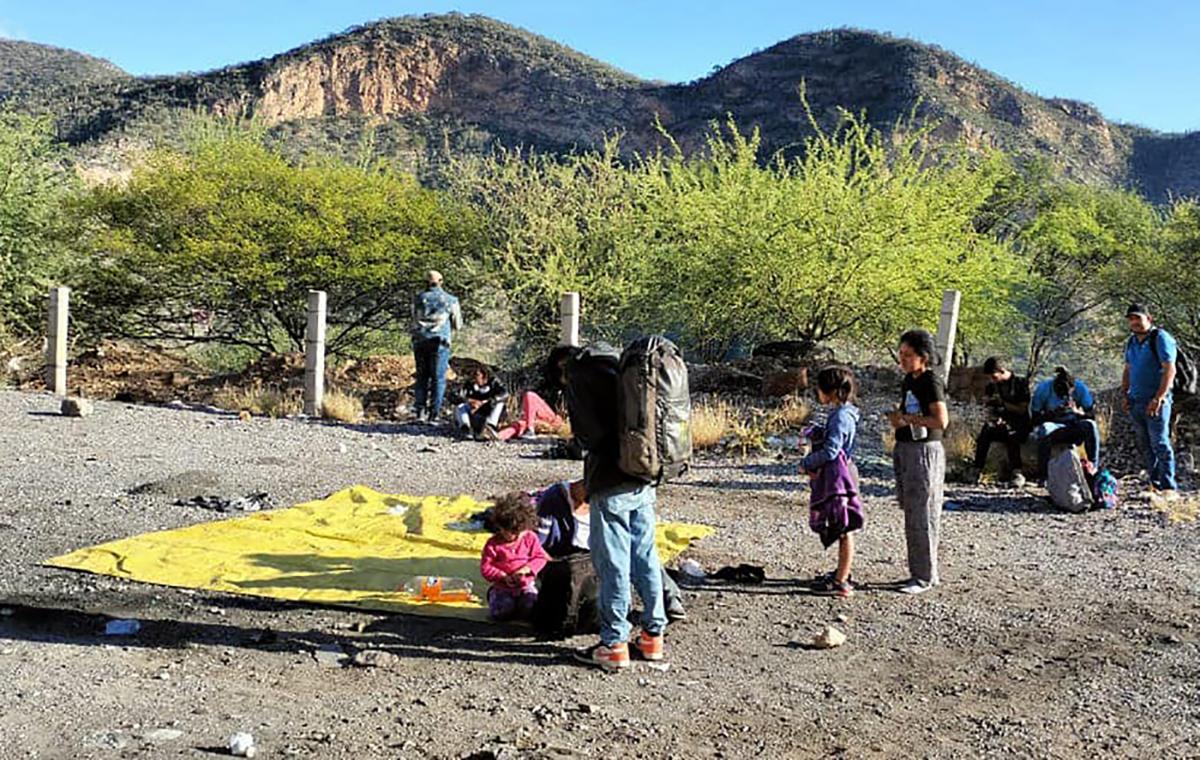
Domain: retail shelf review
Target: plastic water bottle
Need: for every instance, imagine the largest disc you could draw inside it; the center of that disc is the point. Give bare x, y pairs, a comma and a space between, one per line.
912, 406
437, 588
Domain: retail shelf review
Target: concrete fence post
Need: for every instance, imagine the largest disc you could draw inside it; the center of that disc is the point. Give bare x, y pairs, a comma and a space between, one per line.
56, 341
947, 327
314, 354
568, 312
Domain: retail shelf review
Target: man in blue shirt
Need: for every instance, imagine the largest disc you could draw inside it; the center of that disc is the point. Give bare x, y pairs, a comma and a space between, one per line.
1064, 412
1150, 357
434, 314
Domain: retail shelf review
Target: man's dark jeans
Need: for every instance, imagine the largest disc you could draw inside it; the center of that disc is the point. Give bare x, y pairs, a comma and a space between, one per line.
1011, 437
1073, 432
433, 359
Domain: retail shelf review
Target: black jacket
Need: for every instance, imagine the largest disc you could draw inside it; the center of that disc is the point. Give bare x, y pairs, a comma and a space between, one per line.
591, 395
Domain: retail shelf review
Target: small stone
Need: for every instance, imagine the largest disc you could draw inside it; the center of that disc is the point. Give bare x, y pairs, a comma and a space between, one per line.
842, 619
163, 676
241, 744
341, 448
76, 407
160, 735
829, 638
374, 658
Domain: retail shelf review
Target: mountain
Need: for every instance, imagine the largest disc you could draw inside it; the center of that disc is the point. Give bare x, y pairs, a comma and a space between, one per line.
424, 87
29, 70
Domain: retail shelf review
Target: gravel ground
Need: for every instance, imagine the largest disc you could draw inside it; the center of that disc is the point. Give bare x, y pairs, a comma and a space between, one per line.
1052, 635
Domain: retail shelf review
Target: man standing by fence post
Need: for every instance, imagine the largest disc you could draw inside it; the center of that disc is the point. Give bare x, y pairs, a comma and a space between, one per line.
1150, 356
435, 313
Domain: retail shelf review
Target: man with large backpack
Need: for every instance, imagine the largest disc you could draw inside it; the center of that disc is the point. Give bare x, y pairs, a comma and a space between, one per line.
606, 402
1153, 367
434, 314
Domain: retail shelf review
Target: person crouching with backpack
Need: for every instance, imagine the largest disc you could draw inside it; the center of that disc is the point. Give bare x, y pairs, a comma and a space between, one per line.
622, 520
835, 508
1150, 368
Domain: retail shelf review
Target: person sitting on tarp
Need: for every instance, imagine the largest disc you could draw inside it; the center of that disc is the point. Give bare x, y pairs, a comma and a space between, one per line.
564, 521
1064, 412
483, 405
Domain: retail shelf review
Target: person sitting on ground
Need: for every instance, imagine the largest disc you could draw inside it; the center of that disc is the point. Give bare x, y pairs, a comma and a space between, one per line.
483, 404
541, 405
564, 524
1064, 411
512, 558
836, 389
534, 411
1007, 401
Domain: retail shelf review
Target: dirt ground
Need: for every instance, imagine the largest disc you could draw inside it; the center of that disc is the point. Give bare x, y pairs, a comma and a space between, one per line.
1053, 635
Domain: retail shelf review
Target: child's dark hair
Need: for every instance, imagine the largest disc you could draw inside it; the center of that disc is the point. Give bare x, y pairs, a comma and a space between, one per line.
1064, 381
922, 344
512, 513
994, 364
838, 381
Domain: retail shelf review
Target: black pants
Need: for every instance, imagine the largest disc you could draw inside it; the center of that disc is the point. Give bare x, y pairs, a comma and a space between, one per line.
1011, 437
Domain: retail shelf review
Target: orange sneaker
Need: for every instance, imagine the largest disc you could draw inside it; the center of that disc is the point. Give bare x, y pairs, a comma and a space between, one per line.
649, 646
610, 659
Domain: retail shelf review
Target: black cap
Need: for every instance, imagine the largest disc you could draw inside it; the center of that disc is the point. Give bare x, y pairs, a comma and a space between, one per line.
1136, 308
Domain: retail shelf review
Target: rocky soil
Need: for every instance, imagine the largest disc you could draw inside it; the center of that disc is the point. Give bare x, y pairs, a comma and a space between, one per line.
1053, 635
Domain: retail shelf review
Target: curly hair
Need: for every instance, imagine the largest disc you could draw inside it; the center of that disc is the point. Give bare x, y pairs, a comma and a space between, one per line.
512, 513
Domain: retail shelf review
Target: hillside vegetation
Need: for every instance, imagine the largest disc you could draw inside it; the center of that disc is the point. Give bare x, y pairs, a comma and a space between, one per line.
435, 87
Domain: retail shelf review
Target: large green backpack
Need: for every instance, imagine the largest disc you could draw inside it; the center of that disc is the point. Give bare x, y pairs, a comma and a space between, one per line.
655, 410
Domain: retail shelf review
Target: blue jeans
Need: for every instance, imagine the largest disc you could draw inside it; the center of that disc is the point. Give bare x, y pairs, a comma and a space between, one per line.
1153, 436
623, 550
433, 359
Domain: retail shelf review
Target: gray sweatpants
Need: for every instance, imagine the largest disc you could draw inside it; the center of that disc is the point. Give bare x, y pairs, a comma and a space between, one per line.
920, 478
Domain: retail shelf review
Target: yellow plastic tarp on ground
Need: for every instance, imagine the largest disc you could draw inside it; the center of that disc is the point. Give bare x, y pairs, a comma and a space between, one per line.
356, 547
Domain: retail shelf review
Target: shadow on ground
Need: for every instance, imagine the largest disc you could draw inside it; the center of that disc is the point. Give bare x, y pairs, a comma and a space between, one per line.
406, 637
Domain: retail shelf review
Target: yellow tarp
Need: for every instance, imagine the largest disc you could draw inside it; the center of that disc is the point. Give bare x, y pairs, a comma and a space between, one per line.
356, 547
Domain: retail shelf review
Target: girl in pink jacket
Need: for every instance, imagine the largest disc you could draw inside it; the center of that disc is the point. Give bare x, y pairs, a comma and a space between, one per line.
512, 557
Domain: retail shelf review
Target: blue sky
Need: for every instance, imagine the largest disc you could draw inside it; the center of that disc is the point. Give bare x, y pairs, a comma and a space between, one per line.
1138, 62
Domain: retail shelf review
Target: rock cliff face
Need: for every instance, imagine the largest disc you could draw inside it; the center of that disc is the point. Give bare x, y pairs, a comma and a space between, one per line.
424, 78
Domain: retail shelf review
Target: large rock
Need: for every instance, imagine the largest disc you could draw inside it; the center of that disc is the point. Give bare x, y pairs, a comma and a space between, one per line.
76, 407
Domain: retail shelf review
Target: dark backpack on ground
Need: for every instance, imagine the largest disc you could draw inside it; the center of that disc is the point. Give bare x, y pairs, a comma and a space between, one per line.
1186, 379
566, 603
654, 421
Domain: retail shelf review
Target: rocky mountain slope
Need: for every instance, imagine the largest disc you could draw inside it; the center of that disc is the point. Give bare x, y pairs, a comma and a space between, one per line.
433, 85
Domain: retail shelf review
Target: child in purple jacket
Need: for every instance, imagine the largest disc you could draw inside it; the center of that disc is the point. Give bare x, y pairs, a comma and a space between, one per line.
835, 509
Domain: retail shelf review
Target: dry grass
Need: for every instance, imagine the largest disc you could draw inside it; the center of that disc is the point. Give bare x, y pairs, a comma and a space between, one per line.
560, 430
1104, 415
259, 399
791, 415
341, 406
748, 437
1181, 509
711, 423
959, 441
